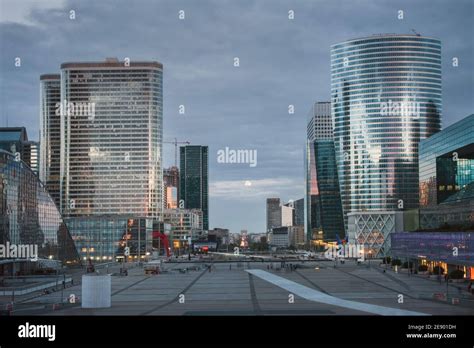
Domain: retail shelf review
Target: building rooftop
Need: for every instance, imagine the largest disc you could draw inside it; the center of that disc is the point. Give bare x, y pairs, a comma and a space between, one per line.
111, 63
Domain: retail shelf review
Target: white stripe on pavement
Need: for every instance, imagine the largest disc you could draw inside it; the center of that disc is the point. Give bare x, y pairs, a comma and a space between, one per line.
318, 296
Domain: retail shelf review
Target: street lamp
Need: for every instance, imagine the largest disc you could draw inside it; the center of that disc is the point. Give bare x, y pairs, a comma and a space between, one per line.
370, 256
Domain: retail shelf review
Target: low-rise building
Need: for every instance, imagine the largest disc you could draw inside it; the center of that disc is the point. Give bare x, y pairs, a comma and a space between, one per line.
185, 223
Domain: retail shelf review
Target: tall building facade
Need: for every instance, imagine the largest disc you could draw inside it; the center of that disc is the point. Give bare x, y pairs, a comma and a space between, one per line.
15, 140
324, 219
50, 134
287, 215
29, 216
171, 187
273, 213
194, 185
386, 97
111, 138
446, 162
447, 178
299, 212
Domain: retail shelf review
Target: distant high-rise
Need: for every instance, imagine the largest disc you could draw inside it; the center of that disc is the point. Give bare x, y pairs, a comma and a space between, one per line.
15, 140
50, 134
111, 141
324, 219
193, 188
171, 187
287, 215
273, 213
299, 212
386, 97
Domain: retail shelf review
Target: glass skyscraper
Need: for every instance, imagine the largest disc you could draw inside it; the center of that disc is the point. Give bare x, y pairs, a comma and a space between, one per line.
29, 215
193, 176
447, 162
386, 97
111, 138
50, 133
15, 140
324, 219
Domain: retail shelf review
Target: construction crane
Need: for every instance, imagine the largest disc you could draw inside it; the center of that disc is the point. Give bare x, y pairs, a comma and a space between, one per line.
176, 142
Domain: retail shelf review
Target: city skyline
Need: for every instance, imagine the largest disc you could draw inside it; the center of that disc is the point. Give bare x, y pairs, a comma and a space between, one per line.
228, 106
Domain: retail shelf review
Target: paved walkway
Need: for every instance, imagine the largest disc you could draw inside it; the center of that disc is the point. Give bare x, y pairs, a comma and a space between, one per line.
318, 296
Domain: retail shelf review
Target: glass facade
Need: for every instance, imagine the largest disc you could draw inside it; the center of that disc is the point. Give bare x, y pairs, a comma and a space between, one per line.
185, 223
29, 215
273, 213
435, 246
50, 133
323, 214
193, 188
299, 212
386, 97
104, 238
446, 162
111, 139
326, 210
15, 141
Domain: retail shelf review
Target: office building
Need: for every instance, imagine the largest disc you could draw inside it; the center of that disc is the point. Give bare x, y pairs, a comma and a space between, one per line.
15, 140
385, 99
219, 235
297, 236
273, 213
50, 134
447, 178
298, 219
324, 219
194, 186
103, 238
29, 217
112, 125
446, 162
171, 187
433, 249
185, 223
280, 237
287, 213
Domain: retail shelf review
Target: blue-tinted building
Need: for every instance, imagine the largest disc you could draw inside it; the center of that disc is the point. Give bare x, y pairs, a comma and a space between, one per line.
29, 216
386, 98
447, 162
436, 248
194, 186
15, 140
103, 238
324, 219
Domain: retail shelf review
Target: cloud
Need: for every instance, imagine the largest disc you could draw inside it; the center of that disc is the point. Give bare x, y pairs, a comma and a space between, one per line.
249, 189
282, 62
20, 11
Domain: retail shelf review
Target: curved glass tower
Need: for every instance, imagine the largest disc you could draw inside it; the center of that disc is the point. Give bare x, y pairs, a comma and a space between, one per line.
386, 97
29, 216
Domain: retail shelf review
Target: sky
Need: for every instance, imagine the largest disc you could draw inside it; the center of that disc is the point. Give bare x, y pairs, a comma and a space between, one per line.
282, 62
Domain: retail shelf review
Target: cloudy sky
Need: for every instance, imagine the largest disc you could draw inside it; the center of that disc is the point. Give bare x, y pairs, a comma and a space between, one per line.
282, 62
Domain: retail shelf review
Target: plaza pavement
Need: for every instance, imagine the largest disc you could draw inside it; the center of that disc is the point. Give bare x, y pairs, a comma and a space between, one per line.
237, 291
